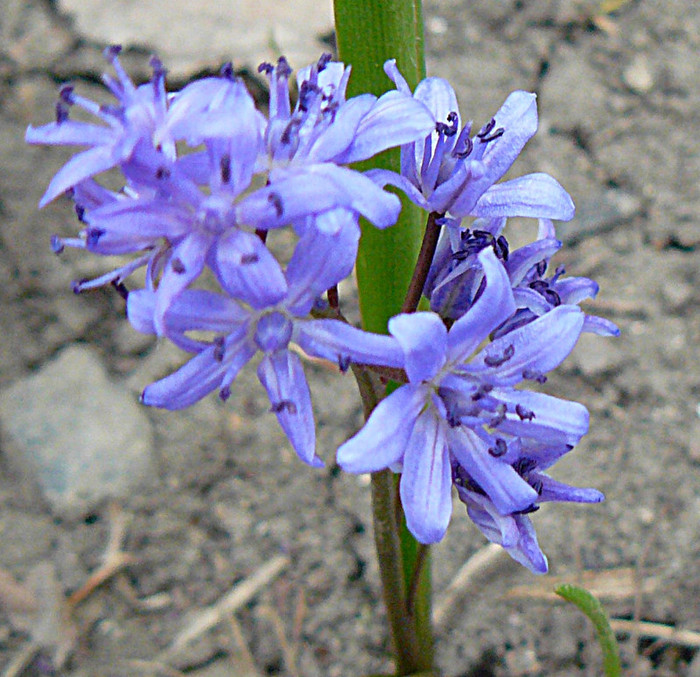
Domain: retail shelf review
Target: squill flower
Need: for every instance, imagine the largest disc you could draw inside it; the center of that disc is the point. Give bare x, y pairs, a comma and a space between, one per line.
128, 130
275, 315
456, 407
452, 172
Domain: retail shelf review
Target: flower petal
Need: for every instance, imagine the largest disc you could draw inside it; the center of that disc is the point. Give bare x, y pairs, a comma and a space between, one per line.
423, 338
426, 480
382, 441
283, 377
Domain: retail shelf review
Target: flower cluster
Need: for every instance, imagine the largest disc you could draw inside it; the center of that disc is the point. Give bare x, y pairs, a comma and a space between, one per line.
206, 176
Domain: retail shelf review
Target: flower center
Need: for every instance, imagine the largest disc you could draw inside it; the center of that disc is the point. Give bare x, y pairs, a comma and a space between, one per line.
273, 332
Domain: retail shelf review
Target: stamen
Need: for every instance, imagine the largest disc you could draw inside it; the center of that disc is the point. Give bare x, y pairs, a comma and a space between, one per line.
497, 134
121, 289
224, 393
524, 413
284, 70
65, 94
178, 265
501, 248
279, 407
532, 375
219, 348
524, 465
93, 236
57, 245
344, 363
265, 67
486, 129
466, 151
482, 391
61, 112
307, 92
80, 212
500, 449
226, 71
276, 201
526, 511
77, 285
500, 416
498, 360
225, 166
325, 59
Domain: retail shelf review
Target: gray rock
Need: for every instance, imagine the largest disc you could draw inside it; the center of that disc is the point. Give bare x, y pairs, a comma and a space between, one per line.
245, 32
78, 435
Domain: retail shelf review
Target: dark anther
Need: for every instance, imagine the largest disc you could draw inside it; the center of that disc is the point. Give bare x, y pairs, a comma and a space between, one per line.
449, 129
111, 52
526, 511
93, 236
500, 449
497, 134
500, 416
157, 67
65, 94
265, 67
466, 151
498, 360
524, 465
524, 413
284, 70
225, 166
276, 201
224, 393
226, 71
501, 248
77, 285
482, 391
344, 363
219, 348
290, 129
532, 375
541, 267
307, 91
162, 173
279, 407
61, 112
178, 265
486, 129
324, 61
121, 289
80, 213
247, 259
538, 486
57, 245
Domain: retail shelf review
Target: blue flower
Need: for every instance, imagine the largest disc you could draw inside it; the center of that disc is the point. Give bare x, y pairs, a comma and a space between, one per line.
265, 310
459, 410
451, 172
129, 127
456, 276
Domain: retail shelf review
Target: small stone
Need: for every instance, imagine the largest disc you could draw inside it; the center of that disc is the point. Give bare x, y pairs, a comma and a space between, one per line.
638, 76
80, 437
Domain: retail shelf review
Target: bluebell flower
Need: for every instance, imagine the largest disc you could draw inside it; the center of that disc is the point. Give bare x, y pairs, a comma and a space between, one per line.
455, 276
458, 407
453, 172
265, 310
128, 130
515, 531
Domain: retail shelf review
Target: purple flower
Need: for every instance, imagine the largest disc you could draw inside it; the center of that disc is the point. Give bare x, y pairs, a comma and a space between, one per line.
451, 172
460, 410
515, 531
129, 127
456, 277
274, 316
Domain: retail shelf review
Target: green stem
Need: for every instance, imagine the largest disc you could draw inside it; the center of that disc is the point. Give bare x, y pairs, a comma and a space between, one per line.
368, 33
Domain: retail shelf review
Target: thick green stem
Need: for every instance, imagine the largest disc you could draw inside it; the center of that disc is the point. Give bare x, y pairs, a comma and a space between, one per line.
369, 32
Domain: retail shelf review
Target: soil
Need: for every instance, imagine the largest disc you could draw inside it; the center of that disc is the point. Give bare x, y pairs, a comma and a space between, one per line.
619, 94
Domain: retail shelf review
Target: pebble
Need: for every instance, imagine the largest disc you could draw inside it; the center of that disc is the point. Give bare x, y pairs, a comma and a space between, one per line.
76, 434
638, 76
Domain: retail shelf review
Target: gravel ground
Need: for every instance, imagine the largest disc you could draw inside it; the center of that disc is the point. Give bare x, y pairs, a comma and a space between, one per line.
221, 499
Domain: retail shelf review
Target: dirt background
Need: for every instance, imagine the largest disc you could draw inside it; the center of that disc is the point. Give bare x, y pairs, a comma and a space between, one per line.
225, 499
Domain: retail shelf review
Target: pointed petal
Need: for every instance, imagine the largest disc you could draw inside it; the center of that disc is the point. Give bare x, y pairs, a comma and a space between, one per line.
248, 271
70, 133
533, 195
382, 441
395, 119
189, 384
494, 306
423, 338
600, 326
384, 177
339, 342
426, 480
552, 490
80, 167
539, 347
507, 490
283, 377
